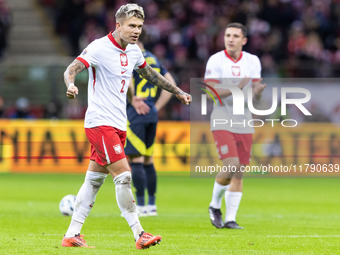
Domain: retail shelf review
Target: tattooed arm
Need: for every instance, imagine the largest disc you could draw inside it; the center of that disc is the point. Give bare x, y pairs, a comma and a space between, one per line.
158, 80
70, 74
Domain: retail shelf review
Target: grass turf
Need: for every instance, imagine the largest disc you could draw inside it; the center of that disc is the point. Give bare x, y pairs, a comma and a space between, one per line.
280, 216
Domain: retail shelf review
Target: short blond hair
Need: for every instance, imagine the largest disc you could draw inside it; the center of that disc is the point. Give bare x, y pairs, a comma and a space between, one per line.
129, 10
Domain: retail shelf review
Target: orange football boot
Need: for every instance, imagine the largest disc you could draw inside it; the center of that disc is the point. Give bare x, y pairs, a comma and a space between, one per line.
76, 241
146, 240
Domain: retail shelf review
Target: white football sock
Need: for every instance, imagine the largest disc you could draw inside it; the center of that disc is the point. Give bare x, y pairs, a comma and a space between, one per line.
218, 192
84, 201
232, 200
126, 202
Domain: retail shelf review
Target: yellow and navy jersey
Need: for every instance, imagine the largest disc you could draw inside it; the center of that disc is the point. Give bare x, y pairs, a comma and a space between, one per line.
145, 89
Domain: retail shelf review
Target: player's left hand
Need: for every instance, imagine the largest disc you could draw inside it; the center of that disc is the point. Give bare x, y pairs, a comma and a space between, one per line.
185, 98
258, 87
72, 91
140, 106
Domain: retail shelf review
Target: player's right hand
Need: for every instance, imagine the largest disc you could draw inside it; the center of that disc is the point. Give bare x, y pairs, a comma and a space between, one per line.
185, 98
140, 106
72, 91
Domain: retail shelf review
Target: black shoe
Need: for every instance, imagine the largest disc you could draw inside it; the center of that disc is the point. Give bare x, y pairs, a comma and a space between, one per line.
232, 225
216, 217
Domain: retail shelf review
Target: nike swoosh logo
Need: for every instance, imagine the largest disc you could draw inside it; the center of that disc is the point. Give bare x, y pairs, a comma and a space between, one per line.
123, 71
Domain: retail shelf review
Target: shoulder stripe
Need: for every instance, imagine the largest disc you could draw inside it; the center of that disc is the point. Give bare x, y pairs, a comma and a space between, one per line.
142, 66
83, 61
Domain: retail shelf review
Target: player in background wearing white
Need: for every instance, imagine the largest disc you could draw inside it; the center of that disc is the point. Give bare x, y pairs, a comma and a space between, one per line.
110, 61
233, 141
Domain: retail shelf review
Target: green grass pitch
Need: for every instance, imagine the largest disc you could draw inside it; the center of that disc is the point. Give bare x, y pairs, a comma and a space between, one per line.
280, 216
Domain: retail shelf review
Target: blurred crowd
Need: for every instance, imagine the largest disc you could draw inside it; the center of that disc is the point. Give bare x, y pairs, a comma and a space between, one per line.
25, 109
293, 38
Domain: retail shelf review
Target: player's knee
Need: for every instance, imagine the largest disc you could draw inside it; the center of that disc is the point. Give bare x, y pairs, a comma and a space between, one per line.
236, 183
96, 179
123, 178
232, 163
237, 178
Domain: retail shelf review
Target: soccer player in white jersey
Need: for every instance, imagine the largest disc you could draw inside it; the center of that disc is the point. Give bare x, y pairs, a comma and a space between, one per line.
233, 67
110, 61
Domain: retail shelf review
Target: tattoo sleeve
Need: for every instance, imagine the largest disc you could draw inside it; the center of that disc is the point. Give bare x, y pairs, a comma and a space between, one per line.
158, 80
72, 70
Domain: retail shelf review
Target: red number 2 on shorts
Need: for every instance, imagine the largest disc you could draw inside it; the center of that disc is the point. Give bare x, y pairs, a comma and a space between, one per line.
123, 84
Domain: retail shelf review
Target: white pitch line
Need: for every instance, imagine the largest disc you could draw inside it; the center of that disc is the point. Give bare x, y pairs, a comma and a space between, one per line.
100, 235
303, 236
213, 235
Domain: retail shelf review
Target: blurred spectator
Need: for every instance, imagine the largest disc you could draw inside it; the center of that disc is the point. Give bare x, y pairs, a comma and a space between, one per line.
2, 107
22, 109
70, 20
52, 110
75, 109
5, 21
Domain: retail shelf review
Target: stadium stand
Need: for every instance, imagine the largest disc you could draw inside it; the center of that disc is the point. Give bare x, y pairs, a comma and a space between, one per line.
293, 38
281, 32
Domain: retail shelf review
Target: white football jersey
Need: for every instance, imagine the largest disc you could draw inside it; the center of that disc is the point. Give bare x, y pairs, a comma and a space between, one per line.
222, 69
110, 68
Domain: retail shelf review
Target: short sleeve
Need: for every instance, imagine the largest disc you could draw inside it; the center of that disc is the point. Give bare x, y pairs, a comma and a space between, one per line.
90, 55
256, 71
141, 63
212, 72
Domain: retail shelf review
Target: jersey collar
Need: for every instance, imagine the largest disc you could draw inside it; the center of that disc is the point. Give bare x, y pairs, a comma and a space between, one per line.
114, 41
228, 56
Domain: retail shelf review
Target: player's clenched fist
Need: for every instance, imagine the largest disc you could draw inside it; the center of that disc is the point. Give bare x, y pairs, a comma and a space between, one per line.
72, 91
184, 98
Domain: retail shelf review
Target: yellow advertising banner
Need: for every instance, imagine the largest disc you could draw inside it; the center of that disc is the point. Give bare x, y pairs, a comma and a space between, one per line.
310, 148
43, 146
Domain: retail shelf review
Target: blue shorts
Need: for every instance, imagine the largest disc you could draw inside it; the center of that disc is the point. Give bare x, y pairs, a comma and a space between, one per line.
140, 138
